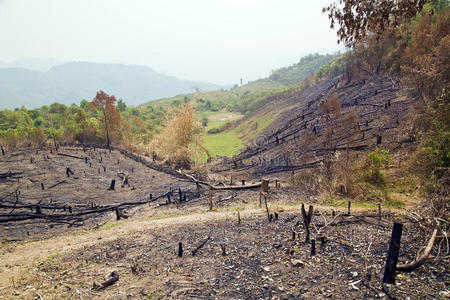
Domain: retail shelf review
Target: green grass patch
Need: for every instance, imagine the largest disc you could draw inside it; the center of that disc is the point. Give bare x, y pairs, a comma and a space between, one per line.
223, 144
249, 129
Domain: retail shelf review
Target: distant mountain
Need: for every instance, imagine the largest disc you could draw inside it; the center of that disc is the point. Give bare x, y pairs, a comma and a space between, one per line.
34, 64
72, 82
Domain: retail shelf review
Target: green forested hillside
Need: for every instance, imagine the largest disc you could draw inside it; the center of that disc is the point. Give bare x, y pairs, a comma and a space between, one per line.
216, 110
305, 67
248, 97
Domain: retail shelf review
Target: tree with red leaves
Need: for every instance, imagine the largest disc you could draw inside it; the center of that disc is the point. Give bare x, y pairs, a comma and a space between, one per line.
110, 115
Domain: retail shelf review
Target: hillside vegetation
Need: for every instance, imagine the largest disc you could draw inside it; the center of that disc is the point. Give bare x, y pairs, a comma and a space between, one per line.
84, 123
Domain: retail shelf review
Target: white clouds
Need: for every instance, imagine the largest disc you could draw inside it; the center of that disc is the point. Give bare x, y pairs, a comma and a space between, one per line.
210, 40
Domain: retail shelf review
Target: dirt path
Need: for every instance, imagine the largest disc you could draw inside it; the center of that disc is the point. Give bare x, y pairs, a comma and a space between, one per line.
20, 257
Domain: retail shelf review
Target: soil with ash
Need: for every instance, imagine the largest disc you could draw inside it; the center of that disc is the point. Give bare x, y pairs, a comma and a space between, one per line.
86, 189
261, 261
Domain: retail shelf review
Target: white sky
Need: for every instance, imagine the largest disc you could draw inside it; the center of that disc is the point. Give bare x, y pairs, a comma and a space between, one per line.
208, 40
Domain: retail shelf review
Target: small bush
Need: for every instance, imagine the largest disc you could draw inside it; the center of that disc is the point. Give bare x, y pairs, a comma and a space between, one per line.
376, 161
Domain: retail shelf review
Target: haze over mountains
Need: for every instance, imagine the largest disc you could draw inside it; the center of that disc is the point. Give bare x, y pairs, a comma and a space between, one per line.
27, 83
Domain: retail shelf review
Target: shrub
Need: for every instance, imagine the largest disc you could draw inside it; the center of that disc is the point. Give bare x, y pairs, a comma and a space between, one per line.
376, 161
179, 140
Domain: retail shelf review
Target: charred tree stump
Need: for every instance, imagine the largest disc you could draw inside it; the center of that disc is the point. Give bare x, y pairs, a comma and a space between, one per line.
180, 194
276, 216
168, 198
69, 172
198, 188
113, 184
267, 209
313, 247
125, 181
392, 257
379, 211
117, 213
293, 235
3, 151
243, 182
348, 208
211, 204
307, 221
239, 217
42, 186
104, 169
322, 240
180, 249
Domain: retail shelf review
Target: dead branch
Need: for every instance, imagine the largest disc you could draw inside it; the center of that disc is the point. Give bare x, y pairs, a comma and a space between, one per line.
417, 263
114, 276
202, 243
56, 184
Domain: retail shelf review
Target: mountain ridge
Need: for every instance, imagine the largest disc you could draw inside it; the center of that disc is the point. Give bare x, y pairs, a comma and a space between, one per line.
74, 81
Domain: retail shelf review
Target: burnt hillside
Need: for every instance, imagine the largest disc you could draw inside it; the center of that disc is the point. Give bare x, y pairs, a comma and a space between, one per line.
382, 109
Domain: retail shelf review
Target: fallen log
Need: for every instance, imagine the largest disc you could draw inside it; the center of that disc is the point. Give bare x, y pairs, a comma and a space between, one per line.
72, 156
56, 184
237, 187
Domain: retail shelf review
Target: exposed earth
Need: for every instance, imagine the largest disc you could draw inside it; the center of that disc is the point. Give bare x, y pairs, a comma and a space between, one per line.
250, 259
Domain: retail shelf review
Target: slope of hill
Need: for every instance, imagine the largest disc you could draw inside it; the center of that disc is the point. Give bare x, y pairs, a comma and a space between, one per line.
75, 81
250, 96
373, 111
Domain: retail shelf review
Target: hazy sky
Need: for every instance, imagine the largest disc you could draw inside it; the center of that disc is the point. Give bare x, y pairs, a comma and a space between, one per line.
208, 40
